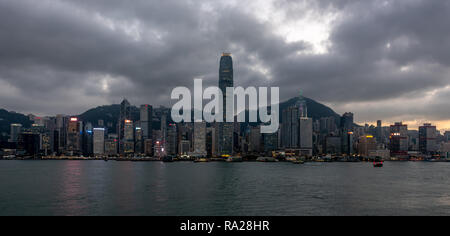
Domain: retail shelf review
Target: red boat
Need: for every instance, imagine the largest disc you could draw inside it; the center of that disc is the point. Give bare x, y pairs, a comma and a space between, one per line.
378, 162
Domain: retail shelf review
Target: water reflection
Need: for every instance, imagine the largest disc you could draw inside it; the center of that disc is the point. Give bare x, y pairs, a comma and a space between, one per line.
124, 188
134, 188
72, 196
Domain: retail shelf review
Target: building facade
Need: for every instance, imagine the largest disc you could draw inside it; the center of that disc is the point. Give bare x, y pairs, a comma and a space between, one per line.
399, 139
15, 131
146, 118
99, 141
125, 115
200, 139
224, 133
427, 139
74, 131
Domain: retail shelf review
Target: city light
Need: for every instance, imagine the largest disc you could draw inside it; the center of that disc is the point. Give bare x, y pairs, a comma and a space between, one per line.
188, 110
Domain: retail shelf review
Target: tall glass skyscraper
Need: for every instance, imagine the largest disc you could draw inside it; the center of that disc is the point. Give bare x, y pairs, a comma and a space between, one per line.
125, 115
225, 75
146, 115
225, 131
297, 129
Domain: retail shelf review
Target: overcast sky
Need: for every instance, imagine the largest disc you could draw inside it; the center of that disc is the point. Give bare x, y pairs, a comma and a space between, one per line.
386, 60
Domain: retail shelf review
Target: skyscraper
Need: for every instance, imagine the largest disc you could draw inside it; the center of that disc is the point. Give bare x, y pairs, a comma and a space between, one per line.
111, 145
347, 143
225, 76
306, 136
146, 115
128, 137
270, 142
61, 132
99, 141
305, 141
328, 125
15, 131
88, 139
138, 140
297, 128
200, 139
125, 115
29, 142
333, 145
447, 136
255, 140
225, 129
74, 131
347, 122
366, 144
427, 139
172, 140
379, 131
399, 139
290, 128
163, 130
211, 141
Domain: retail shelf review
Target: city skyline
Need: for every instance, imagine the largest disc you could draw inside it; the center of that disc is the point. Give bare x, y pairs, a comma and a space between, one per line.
411, 124
378, 59
414, 125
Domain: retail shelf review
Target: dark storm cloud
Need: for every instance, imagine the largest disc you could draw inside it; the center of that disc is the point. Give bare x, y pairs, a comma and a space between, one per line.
360, 66
67, 56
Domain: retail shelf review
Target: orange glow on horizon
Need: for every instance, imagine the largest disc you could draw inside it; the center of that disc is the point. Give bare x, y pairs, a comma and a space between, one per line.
441, 125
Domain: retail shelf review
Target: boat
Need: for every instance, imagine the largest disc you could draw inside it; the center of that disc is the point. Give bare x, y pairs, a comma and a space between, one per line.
298, 162
291, 159
266, 159
201, 160
234, 159
378, 163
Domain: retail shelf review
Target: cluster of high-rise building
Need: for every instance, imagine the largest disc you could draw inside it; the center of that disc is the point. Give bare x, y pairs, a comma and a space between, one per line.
153, 133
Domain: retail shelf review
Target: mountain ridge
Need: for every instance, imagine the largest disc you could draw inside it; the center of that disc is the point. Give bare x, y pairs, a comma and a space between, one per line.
110, 114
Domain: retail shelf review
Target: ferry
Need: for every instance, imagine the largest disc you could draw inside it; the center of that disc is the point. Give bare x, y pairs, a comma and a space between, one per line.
298, 162
266, 159
291, 159
234, 159
295, 160
198, 160
9, 157
378, 163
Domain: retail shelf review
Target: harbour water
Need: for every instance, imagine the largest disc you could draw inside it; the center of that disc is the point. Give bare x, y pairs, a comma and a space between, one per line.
223, 189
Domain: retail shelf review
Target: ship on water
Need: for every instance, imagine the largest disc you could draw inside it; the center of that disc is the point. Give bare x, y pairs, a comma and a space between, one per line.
234, 159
